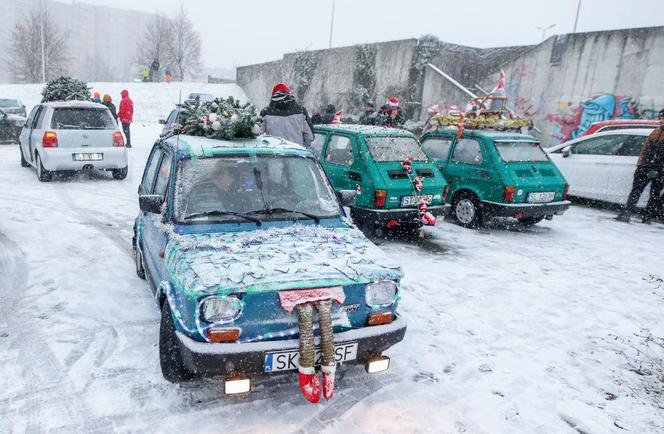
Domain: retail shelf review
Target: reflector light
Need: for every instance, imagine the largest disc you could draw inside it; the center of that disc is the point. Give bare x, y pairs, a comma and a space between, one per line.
508, 194
380, 196
392, 224
377, 364
446, 193
224, 335
237, 384
379, 318
566, 192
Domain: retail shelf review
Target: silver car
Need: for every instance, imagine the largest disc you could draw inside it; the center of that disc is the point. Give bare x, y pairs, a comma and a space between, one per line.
72, 135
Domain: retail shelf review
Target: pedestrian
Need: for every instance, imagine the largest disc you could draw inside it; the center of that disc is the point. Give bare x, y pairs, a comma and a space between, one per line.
108, 102
126, 115
145, 74
167, 74
95, 97
328, 114
154, 70
285, 118
369, 115
391, 115
649, 170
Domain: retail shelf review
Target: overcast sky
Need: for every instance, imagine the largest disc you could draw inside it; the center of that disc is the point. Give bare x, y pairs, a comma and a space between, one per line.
241, 32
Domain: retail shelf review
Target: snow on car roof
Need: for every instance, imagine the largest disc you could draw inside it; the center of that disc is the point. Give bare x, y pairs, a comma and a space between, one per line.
371, 130
89, 104
202, 146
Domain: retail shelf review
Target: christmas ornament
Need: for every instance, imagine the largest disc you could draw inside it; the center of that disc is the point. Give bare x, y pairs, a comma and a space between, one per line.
212, 117
255, 130
216, 125
426, 217
407, 165
235, 118
417, 182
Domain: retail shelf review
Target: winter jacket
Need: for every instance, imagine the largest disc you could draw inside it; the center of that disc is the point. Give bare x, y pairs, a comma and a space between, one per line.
652, 154
126, 112
386, 120
368, 118
111, 107
288, 120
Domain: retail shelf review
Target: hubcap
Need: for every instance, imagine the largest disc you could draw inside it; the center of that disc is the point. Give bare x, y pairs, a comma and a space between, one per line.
465, 211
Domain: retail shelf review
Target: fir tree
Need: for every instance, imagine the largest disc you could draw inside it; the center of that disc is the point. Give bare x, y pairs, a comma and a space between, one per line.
224, 118
65, 89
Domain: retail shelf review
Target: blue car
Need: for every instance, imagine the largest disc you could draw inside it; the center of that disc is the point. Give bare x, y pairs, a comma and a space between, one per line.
226, 229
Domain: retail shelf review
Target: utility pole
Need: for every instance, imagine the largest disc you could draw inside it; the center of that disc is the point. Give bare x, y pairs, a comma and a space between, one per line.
544, 29
576, 20
43, 48
332, 23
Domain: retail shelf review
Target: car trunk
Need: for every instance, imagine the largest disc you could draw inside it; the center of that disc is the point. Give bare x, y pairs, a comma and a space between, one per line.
83, 127
536, 177
399, 184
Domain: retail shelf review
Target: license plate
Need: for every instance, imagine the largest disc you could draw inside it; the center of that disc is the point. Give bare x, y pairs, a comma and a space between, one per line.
414, 200
288, 360
541, 197
88, 157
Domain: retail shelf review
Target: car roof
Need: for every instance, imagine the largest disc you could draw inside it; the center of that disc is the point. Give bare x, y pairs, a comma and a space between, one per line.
492, 134
367, 130
80, 104
202, 147
627, 122
634, 131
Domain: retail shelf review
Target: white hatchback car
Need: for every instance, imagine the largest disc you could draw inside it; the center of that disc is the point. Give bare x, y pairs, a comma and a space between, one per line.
72, 135
601, 166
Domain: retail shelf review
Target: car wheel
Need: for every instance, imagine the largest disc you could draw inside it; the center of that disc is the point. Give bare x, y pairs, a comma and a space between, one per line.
466, 208
120, 173
530, 221
24, 163
170, 358
138, 259
42, 174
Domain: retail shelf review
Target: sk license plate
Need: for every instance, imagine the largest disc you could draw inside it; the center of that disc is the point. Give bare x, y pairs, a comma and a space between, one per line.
414, 200
88, 157
541, 197
288, 360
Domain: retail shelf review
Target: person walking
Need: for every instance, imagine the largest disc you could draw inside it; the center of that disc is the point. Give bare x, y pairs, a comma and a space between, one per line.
154, 70
167, 74
108, 102
649, 170
287, 119
145, 74
95, 97
126, 115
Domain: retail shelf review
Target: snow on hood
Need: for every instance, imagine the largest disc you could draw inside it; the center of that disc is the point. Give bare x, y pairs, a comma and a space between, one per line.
298, 256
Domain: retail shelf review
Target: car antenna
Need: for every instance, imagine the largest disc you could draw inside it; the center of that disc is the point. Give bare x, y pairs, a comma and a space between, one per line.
177, 141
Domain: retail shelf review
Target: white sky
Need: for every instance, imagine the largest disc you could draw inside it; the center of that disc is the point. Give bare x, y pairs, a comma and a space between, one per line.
251, 31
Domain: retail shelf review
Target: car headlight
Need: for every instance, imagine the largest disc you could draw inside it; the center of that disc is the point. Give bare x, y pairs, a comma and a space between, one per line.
221, 309
19, 123
381, 293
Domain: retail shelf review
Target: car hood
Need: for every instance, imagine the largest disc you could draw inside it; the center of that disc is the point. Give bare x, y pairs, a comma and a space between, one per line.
297, 256
15, 118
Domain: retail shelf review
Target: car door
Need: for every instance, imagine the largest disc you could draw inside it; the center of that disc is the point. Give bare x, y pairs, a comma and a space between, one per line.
317, 145
38, 127
340, 162
622, 171
438, 149
25, 139
470, 168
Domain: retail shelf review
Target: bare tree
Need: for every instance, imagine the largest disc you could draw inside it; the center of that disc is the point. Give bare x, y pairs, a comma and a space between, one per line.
184, 51
25, 51
155, 40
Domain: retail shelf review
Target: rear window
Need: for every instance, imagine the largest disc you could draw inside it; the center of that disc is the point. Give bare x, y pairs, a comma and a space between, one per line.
520, 151
82, 119
395, 148
8, 102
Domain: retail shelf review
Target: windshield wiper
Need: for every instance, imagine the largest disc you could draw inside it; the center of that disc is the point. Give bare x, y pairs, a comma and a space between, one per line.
269, 211
214, 212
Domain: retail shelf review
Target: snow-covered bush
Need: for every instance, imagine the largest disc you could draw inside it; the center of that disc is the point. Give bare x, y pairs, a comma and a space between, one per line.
364, 75
304, 69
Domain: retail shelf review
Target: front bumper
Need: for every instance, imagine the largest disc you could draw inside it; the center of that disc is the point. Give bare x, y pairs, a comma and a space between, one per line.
401, 215
61, 158
249, 358
526, 209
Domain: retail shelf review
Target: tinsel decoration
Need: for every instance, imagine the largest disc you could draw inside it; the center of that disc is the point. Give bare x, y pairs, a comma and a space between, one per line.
224, 118
481, 122
65, 89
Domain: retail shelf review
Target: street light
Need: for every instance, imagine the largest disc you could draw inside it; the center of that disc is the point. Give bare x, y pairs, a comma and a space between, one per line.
332, 23
544, 29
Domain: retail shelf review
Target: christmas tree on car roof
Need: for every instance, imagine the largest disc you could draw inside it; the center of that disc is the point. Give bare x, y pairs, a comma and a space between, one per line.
223, 118
65, 89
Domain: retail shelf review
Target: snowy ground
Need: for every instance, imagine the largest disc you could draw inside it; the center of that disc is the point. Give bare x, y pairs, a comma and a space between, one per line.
509, 331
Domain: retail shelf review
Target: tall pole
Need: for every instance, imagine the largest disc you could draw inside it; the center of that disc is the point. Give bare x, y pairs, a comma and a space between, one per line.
332, 23
576, 20
43, 49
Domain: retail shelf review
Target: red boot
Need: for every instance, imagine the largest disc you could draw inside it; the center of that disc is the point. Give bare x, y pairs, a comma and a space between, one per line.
310, 384
328, 381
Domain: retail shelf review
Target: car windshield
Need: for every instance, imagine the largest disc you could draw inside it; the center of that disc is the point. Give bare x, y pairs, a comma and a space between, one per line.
520, 151
241, 188
9, 102
70, 118
202, 96
395, 148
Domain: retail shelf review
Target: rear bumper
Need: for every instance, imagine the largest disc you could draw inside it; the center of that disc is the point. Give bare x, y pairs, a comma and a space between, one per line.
526, 209
249, 358
61, 158
401, 215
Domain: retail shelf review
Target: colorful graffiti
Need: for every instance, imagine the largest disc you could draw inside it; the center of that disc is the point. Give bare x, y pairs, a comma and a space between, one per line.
572, 121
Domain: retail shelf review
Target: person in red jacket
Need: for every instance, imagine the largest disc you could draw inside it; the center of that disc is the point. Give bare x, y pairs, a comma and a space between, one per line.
126, 114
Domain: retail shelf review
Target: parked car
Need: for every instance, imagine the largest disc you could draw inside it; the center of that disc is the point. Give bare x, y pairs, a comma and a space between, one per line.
601, 167
12, 106
620, 124
72, 135
10, 126
171, 121
369, 159
224, 226
202, 97
497, 174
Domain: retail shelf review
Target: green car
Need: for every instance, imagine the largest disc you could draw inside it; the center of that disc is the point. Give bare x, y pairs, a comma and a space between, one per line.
370, 160
497, 174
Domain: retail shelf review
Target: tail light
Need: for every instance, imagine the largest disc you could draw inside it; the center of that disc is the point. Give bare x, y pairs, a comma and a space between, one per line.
50, 139
508, 193
380, 197
118, 140
446, 193
566, 192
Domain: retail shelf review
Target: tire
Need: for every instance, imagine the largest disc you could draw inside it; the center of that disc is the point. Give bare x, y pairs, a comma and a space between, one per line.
42, 174
138, 258
24, 163
170, 358
467, 211
531, 221
120, 173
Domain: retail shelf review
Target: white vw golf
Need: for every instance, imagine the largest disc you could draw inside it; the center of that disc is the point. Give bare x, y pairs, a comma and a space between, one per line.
72, 135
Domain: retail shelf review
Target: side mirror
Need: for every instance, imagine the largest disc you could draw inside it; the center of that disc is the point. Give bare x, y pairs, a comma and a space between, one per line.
567, 151
162, 121
347, 197
150, 203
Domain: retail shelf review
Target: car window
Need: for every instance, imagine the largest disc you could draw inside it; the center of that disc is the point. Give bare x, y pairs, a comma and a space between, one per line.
172, 117
632, 147
40, 119
438, 148
339, 151
398, 148
163, 175
33, 114
317, 145
468, 151
605, 145
519, 151
9, 103
150, 170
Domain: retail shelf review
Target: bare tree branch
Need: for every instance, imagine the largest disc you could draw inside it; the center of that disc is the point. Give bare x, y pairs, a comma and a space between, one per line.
184, 52
155, 40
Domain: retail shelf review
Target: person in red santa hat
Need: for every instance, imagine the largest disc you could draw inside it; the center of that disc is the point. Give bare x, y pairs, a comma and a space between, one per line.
287, 119
390, 114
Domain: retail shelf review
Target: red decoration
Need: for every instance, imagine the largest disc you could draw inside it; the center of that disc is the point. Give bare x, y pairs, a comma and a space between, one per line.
310, 384
418, 183
407, 165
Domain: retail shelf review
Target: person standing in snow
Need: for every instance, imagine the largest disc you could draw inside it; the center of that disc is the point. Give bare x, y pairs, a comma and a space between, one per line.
154, 70
285, 118
108, 102
167, 74
390, 114
126, 115
369, 115
95, 97
649, 170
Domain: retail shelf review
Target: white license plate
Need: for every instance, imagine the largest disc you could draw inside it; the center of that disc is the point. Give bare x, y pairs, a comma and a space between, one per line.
414, 200
288, 360
88, 157
541, 197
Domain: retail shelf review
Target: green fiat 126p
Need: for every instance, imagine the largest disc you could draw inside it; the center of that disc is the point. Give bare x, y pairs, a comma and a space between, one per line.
497, 174
398, 186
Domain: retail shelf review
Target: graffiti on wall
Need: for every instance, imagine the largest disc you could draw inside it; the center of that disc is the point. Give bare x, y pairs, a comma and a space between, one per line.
573, 120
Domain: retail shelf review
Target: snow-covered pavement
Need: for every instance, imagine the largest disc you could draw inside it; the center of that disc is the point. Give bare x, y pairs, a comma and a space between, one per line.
509, 331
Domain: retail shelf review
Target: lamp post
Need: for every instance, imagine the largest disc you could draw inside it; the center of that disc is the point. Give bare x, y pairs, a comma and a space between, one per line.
544, 29
332, 23
576, 19
43, 48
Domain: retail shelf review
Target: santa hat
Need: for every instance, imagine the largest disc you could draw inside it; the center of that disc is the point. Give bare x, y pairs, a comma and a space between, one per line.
393, 102
280, 87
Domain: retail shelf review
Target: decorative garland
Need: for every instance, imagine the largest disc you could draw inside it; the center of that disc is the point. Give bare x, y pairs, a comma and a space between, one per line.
481, 122
223, 119
424, 215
